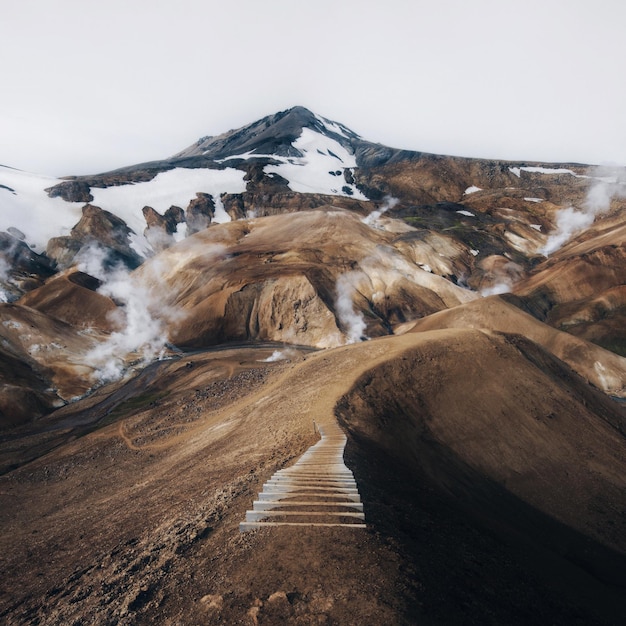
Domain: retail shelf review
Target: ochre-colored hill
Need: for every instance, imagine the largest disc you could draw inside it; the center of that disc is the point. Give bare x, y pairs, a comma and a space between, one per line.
580, 289
72, 298
281, 278
491, 474
604, 369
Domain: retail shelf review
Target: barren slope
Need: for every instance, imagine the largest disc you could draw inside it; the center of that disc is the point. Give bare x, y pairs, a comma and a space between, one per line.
463, 457
605, 370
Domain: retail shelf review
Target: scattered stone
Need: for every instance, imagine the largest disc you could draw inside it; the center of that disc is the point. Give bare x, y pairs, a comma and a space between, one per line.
213, 601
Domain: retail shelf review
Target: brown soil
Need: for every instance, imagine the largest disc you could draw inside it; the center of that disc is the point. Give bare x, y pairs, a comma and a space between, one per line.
136, 522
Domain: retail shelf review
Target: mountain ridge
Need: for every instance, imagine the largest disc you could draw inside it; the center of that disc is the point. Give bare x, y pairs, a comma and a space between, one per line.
173, 334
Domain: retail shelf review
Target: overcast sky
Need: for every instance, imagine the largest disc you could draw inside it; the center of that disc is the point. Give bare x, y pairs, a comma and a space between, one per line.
90, 85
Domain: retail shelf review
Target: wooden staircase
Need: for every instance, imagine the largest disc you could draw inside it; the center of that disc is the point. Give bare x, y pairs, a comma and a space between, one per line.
319, 490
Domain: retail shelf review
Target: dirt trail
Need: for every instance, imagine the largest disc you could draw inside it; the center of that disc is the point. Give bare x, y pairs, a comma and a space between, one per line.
100, 532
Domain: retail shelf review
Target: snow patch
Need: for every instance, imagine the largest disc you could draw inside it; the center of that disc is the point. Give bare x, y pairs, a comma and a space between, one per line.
39, 217
321, 156
536, 226
548, 170
334, 127
29, 208
533, 199
468, 213
175, 187
472, 189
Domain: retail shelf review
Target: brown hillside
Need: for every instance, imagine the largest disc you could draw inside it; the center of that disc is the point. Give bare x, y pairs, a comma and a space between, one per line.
491, 476
605, 370
72, 298
275, 278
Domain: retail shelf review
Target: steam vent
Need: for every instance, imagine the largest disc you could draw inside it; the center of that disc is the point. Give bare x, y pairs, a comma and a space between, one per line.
319, 490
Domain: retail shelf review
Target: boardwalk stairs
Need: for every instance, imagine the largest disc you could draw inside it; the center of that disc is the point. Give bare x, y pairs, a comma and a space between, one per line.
319, 490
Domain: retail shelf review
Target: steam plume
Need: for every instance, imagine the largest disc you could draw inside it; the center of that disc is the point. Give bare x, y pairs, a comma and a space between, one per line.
608, 183
142, 332
4, 277
388, 203
352, 322
280, 355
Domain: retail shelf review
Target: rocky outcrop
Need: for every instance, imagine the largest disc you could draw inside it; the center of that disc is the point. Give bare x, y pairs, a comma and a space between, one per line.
160, 229
71, 191
266, 202
100, 228
21, 269
199, 213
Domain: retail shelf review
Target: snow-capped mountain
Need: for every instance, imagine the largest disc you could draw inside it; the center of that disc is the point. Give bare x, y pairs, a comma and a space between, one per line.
303, 152
397, 236
173, 332
267, 164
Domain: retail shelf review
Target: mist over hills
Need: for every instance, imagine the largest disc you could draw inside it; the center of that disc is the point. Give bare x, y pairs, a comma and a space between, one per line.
463, 319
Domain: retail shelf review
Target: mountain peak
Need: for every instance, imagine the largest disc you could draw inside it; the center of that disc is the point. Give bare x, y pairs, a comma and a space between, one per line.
271, 135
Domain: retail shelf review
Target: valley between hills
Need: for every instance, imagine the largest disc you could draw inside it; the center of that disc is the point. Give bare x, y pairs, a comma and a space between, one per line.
174, 333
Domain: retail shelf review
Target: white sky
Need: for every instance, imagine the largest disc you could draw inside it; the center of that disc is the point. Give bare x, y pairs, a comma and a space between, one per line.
90, 85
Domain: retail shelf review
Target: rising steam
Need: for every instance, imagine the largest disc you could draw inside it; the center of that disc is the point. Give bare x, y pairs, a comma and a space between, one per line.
352, 322
608, 183
141, 319
4, 278
388, 203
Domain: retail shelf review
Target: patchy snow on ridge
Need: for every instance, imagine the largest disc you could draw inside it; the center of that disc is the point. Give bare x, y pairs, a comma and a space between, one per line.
333, 127
27, 207
468, 213
543, 170
175, 187
321, 168
472, 189
533, 199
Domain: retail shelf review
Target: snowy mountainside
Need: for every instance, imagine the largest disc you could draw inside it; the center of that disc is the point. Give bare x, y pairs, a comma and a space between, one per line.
272, 135
487, 226
310, 154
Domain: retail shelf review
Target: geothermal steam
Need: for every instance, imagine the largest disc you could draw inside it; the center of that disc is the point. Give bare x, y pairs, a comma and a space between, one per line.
608, 183
374, 216
4, 277
141, 333
352, 322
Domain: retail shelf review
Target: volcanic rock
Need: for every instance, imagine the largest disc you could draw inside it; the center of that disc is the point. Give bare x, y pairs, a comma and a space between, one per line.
21, 269
100, 228
161, 228
579, 289
276, 278
199, 213
71, 191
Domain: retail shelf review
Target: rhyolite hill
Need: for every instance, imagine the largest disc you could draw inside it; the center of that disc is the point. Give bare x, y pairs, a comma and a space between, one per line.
170, 331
